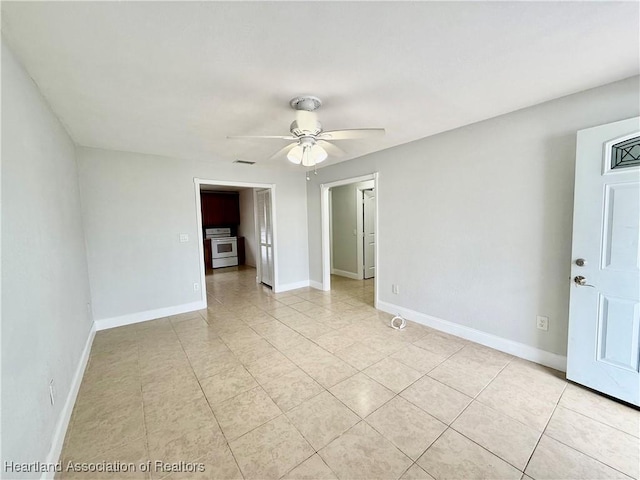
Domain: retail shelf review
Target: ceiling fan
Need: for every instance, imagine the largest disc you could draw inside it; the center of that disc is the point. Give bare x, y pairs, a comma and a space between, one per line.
311, 144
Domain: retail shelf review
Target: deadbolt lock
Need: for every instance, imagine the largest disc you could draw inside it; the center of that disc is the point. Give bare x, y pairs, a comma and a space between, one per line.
581, 262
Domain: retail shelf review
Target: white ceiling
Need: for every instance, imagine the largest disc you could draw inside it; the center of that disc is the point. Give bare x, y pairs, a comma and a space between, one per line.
175, 78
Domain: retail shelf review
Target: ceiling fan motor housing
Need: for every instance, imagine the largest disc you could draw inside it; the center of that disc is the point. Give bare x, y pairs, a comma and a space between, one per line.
297, 131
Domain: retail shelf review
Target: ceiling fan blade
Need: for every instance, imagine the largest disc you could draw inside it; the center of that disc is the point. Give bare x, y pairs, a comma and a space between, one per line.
350, 134
277, 137
306, 120
331, 149
282, 152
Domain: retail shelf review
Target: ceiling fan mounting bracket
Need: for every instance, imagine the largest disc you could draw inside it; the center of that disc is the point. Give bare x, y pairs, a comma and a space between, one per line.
308, 103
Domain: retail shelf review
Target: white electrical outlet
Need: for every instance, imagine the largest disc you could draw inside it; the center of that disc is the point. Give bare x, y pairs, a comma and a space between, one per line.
196, 287
395, 289
184, 237
542, 323
52, 392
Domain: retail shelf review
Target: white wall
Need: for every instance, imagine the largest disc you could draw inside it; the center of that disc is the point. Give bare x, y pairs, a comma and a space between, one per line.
136, 205
247, 227
475, 223
45, 288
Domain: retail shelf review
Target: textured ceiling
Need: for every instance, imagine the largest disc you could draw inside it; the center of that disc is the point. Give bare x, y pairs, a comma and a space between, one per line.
175, 78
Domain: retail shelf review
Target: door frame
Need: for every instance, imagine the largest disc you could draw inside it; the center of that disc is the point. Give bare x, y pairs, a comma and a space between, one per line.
225, 183
325, 217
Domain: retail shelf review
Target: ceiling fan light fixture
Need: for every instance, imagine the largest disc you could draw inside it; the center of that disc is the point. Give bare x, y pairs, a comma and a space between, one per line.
307, 159
295, 154
318, 154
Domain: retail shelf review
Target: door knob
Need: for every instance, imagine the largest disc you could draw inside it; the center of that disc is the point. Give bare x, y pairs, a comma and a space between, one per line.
581, 281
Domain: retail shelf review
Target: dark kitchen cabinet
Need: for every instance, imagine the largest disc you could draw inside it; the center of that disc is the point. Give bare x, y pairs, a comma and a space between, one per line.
241, 254
220, 209
207, 254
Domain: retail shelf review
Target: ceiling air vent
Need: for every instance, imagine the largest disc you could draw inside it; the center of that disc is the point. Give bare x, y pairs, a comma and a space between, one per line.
244, 162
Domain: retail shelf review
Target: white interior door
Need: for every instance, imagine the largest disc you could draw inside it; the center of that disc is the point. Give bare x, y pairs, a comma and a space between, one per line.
369, 227
604, 319
265, 236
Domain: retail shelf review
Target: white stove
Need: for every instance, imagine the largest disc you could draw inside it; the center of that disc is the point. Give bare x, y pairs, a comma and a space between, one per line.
224, 247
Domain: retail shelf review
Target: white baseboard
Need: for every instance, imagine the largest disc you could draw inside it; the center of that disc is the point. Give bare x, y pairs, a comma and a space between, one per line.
316, 285
65, 415
138, 317
521, 350
344, 273
291, 286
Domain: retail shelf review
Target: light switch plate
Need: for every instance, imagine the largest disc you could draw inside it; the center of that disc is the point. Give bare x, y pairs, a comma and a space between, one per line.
184, 237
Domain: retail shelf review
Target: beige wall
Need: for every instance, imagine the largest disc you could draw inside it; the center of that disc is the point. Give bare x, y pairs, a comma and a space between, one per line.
135, 206
475, 223
45, 287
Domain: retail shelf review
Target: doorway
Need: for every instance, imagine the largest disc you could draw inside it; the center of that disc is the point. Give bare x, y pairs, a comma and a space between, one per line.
351, 231
249, 198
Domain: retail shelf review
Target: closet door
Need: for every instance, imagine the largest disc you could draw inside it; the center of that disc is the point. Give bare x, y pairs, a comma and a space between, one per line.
265, 235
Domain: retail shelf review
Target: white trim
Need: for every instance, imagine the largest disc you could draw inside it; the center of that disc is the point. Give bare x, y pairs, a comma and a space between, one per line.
291, 286
376, 283
65, 415
521, 350
360, 230
203, 281
325, 219
138, 317
225, 183
331, 246
344, 273
256, 241
274, 244
314, 284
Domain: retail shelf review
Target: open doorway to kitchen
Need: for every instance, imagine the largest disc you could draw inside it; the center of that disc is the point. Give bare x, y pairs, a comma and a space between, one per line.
237, 231
349, 230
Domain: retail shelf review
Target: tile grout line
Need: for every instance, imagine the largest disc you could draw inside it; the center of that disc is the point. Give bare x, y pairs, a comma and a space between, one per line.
282, 413
206, 399
544, 430
144, 422
450, 425
573, 448
567, 407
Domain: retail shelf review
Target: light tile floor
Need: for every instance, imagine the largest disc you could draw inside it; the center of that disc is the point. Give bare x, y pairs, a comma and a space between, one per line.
310, 384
